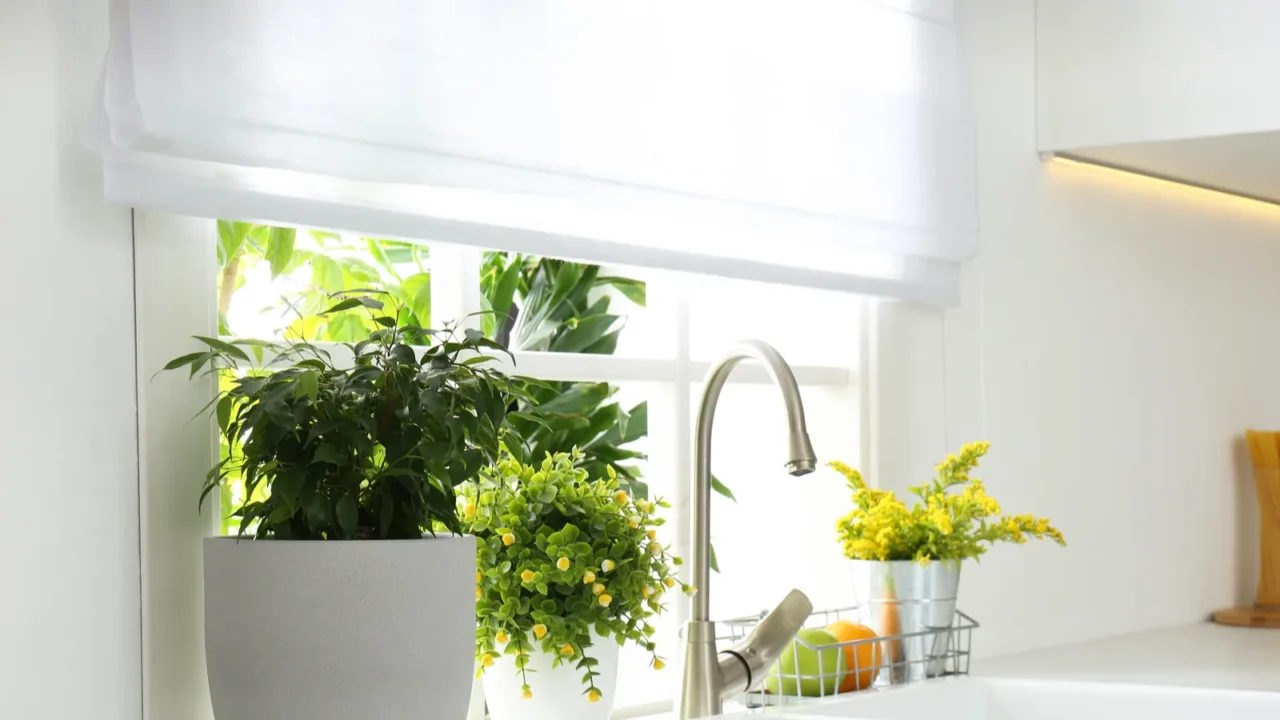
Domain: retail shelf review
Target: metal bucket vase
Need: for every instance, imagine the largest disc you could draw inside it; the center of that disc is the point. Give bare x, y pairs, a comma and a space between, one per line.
916, 604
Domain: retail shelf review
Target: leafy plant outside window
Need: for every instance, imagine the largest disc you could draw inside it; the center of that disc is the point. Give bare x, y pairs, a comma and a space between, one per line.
558, 319
540, 304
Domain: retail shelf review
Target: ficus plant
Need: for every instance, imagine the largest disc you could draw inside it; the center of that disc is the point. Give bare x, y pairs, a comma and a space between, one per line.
565, 561
373, 450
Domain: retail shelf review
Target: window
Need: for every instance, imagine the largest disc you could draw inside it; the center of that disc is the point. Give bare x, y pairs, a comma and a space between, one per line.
643, 340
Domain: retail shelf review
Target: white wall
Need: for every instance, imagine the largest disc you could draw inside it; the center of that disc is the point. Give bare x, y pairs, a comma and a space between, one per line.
175, 259
1124, 71
1116, 338
69, 592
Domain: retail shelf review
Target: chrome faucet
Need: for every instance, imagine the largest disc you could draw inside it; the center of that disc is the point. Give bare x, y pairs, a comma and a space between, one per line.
711, 676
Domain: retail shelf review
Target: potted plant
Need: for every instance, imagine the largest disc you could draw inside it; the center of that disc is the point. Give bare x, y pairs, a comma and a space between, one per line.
331, 602
907, 560
570, 569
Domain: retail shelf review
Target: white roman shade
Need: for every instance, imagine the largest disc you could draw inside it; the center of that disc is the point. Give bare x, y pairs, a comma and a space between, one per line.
826, 143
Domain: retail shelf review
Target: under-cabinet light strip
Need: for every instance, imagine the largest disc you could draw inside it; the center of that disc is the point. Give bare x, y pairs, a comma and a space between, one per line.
1164, 182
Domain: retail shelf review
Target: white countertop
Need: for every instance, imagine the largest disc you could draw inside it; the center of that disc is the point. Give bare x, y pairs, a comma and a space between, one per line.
1204, 655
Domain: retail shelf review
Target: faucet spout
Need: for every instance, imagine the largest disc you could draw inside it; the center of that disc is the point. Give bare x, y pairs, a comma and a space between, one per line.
707, 678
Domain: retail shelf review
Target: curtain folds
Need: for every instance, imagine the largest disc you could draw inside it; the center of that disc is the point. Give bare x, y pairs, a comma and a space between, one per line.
826, 143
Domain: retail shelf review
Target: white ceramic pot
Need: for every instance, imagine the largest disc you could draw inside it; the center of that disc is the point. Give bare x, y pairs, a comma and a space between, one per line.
333, 630
558, 694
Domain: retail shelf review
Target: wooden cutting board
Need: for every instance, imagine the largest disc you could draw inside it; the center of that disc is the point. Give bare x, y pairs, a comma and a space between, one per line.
1264, 450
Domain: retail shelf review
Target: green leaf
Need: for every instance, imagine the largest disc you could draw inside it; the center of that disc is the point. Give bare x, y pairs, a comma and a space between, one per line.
604, 346
417, 292
343, 305
633, 290
638, 425
317, 509
230, 240
225, 347
715, 564
308, 385
579, 398
184, 360
532, 417
287, 485
225, 405
581, 333
328, 453
380, 255
721, 488
503, 293
346, 328
348, 514
567, 277
280, 249
322, 237
361, 270
326, 274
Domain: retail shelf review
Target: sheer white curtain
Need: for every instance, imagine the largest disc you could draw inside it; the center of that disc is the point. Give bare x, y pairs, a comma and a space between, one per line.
825, 143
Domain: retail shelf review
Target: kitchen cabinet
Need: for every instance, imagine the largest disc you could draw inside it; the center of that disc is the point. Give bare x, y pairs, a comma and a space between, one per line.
1180, 89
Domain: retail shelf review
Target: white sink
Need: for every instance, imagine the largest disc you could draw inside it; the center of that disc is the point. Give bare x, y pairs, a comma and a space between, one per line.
994, 699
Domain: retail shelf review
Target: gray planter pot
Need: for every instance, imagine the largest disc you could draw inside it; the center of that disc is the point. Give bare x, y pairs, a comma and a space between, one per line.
337, 630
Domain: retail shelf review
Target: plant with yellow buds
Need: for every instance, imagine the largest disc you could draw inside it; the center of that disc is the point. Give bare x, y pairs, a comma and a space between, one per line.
565, 561
954, 519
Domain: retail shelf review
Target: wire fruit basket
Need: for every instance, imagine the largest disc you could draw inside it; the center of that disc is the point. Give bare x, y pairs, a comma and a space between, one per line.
823, 670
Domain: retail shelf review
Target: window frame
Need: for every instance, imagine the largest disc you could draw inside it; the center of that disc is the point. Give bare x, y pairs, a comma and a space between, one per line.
171, 245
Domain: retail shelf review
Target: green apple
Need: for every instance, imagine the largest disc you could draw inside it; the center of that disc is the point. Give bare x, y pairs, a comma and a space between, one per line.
819, 671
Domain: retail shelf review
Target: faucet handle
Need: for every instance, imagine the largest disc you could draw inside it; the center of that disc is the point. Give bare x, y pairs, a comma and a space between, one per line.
743, 666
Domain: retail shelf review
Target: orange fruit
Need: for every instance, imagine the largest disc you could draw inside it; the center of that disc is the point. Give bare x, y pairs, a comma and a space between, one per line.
863, 660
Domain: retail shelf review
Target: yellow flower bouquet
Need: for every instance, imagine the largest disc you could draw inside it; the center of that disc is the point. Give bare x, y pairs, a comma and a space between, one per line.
954, 519
907, 560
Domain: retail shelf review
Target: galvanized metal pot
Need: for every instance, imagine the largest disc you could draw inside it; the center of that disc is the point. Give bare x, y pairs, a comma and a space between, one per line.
914, 603
334, 630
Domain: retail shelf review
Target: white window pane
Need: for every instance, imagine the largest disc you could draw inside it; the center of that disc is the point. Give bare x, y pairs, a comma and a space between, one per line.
780, 534
648, 332
809, 327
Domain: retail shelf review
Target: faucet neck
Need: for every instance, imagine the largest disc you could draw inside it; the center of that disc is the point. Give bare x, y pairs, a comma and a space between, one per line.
801, 455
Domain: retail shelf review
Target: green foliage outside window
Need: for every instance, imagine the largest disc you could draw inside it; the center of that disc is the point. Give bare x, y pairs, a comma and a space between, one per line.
556, 306
534, 304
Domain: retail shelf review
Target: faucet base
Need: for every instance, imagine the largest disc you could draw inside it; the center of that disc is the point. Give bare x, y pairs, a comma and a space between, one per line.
700, 693
711, 676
